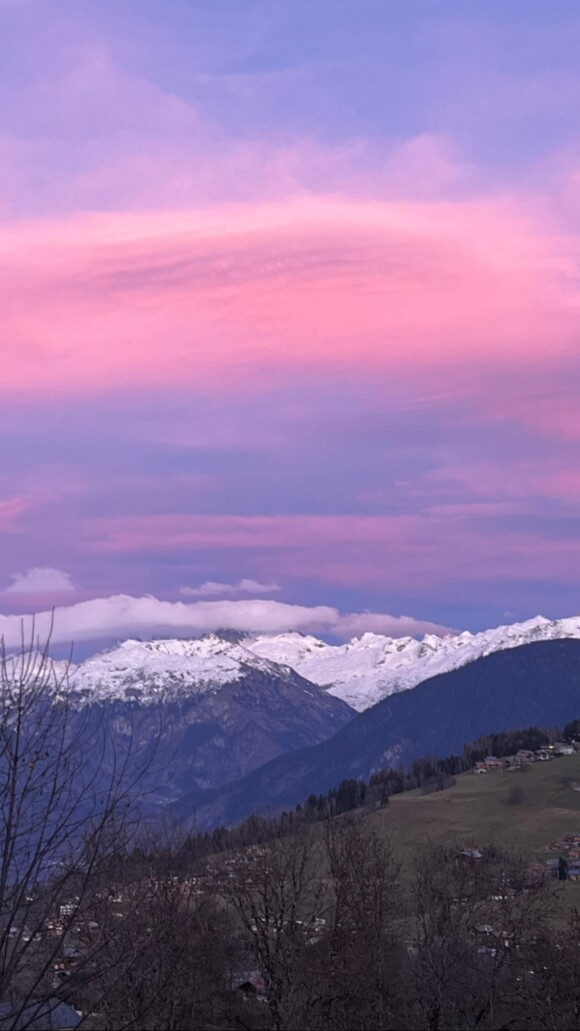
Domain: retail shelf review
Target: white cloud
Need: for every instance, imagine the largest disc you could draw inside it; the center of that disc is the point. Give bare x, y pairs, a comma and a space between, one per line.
122, 616
358, 623
40, 580
212, 588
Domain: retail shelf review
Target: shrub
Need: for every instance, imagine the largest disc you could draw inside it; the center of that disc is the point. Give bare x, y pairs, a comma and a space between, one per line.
516, 795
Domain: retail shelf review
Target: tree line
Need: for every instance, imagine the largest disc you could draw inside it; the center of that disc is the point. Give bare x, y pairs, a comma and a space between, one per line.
427, 775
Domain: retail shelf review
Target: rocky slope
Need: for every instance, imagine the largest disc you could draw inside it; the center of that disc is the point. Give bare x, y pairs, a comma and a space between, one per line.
214, 710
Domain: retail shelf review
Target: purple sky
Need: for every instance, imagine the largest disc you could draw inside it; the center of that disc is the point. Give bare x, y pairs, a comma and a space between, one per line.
290, 311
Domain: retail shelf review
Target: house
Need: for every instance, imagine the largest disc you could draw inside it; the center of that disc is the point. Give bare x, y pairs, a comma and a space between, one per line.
560, 748
472, 854
491, 762
39, 1015
252, 988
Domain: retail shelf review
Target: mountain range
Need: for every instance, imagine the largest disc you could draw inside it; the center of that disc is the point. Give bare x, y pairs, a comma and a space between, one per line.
282, 708
361, 672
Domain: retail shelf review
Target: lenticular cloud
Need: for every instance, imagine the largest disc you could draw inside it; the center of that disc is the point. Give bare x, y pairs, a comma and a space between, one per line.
122, 616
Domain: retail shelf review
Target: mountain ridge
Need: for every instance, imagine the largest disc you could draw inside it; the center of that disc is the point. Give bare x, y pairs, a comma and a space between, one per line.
209, 709
369, 668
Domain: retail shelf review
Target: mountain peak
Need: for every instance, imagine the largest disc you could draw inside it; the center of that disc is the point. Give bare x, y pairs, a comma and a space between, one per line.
226, 634
166, 669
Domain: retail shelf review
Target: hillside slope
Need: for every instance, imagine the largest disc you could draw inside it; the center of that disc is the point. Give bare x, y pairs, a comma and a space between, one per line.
479, 809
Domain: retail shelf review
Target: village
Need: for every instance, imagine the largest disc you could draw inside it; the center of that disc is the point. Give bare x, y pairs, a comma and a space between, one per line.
566, 865
526, 757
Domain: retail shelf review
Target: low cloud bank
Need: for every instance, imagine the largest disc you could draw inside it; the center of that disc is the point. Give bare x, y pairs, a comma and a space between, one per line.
121, 616
358, 623
212, 588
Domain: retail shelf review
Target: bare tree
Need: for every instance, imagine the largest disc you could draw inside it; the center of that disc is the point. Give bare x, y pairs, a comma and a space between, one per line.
67, 798
277, 893
319, 912
548, 993
168, 961
361, 954
474, 914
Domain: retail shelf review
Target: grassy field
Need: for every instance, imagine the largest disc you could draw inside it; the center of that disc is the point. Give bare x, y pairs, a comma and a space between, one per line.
478, 808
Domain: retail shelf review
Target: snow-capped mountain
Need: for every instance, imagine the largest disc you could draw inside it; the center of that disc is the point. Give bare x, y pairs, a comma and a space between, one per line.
372, 667
155, 671
214, 709
361, 672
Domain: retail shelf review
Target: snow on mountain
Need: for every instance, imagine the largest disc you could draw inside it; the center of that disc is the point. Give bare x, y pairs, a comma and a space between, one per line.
33, 672
361, 672
372, 667
153, 671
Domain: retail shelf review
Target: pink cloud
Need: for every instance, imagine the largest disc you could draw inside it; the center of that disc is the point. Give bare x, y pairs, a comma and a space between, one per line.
10, 511
433, 557
122, 615
243, 294
217, 589
357, 623
556, 416
136, 533
425, 550
483, 488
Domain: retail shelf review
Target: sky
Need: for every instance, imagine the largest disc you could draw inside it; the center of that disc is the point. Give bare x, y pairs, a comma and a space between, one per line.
289, 316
